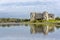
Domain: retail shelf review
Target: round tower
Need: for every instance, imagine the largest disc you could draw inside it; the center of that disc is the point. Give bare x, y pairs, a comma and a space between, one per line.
32, 16
45, 15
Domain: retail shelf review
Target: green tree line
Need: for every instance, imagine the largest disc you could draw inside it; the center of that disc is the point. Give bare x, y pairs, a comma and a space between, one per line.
13, 20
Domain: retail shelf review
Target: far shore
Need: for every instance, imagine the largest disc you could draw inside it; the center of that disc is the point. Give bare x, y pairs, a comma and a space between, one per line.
27, 23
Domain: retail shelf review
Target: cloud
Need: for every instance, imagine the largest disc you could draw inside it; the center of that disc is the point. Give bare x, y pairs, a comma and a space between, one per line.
26, 3
10, 1
14, 8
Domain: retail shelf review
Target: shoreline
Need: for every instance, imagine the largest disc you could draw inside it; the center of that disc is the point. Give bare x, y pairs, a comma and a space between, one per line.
28, 23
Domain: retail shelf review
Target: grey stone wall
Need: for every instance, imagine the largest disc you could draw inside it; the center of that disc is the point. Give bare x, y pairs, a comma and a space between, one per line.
44, 16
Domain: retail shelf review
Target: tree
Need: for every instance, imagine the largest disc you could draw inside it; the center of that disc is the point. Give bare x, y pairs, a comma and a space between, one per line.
57, 18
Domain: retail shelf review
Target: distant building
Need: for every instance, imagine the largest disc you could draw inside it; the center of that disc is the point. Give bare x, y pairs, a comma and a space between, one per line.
41, 16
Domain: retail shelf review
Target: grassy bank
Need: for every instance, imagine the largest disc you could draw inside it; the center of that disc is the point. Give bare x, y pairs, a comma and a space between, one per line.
26, 21
45, 21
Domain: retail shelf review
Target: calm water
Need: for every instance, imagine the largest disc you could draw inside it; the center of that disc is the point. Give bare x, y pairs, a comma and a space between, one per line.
30, 32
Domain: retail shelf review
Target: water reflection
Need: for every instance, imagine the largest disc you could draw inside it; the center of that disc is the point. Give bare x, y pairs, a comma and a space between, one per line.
9, 25
26, 30
36, 28
41, 28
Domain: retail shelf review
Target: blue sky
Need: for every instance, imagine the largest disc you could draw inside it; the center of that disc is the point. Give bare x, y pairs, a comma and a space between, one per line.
22, 8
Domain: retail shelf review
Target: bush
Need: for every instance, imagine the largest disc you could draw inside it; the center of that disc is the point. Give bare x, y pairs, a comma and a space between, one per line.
57, 18
33, 21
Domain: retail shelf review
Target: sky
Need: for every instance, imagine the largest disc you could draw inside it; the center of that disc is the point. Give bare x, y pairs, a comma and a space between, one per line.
23, 8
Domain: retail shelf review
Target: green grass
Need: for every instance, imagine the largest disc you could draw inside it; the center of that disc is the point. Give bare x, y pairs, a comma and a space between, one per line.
45, 21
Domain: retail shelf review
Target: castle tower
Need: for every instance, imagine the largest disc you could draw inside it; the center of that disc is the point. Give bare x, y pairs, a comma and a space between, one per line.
45, 15
32, 16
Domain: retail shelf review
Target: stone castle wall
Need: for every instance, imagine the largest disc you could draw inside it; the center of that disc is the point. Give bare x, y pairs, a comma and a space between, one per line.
44, 16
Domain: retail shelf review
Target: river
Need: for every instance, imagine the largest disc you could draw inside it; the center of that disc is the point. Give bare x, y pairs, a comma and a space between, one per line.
30, 32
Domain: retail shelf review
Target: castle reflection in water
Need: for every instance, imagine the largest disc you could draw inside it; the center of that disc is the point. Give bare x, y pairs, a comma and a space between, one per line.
37, 28
40, 28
